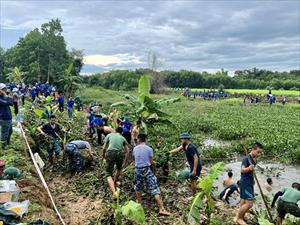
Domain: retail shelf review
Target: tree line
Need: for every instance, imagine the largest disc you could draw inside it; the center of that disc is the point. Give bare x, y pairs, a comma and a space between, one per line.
41, 56
244, 79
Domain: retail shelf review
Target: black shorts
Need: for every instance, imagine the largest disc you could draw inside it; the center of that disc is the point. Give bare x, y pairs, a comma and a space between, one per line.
113, 158
127, 136
287, 207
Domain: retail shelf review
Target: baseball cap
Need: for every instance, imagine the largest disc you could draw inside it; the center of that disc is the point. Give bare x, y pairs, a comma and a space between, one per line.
185, 136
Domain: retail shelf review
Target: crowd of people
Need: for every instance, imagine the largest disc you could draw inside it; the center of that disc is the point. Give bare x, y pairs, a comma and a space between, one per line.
205, 94
126, 140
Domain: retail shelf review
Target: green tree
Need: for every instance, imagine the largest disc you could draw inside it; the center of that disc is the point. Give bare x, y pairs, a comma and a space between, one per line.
2, 77
42, 54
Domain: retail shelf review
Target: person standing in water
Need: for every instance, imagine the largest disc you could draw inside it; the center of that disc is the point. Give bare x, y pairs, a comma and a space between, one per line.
247, 183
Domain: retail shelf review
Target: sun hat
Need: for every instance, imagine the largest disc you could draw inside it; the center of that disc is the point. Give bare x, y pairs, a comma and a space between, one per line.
185, 136
2, 86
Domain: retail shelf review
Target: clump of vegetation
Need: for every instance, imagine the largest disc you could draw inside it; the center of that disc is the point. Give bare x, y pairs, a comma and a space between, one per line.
204, 201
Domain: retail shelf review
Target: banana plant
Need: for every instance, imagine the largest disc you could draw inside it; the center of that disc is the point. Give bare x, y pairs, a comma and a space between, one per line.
131, 210
71, 82
144, 108
15, 76
204, 200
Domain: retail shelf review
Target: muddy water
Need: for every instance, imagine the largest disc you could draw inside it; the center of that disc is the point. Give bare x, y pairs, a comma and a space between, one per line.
282, 176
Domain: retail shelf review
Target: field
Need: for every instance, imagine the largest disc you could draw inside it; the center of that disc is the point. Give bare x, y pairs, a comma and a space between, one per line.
290, 93
232, 124
277, 127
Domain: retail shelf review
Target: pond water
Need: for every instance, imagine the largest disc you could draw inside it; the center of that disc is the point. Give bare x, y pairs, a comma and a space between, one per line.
282, 176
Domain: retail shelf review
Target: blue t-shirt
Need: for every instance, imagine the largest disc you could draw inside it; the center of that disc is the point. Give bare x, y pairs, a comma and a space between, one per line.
98, 121
61, 100
70, 104
142, 155
5, 102
248, 178
126, 126
33, 92
190, 151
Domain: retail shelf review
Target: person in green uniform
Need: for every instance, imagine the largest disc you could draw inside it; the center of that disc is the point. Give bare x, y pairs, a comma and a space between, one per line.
288, 202
117, 150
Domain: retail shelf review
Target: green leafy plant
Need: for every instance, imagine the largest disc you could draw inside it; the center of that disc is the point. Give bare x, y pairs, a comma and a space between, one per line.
204, 199
71, 81
264, 221
15, 76
145, 108
131, 210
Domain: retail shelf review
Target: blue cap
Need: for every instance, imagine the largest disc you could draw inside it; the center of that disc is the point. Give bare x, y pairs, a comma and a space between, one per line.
185, 136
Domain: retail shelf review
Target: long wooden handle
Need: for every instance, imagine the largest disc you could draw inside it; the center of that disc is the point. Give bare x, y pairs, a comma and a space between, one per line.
260, 190
263, 197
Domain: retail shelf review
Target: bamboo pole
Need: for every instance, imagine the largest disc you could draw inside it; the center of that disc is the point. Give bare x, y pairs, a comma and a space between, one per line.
260, 190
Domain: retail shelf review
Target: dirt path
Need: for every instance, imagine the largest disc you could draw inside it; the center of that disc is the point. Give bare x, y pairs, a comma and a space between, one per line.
75, 209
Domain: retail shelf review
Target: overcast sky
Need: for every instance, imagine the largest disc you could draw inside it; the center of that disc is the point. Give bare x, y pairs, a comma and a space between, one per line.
195, 35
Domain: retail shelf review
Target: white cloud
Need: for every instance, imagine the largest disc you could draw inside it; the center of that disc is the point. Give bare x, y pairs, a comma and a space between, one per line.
108, 60
197, 35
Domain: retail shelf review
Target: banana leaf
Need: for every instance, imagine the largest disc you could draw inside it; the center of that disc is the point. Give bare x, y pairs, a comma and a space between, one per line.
134, 212
118, 104
197, 205
263, 221
144, 86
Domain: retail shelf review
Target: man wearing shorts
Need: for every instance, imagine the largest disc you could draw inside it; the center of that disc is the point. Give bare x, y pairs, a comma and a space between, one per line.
193, 159
143, 159
247, 183
116, 146
288, 202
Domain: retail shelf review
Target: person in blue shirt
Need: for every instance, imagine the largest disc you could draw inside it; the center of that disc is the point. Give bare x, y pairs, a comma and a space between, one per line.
33, 93
193, 159
143, 160
70, 105
247, 183
61, 101
91, 127
126, 125
5, 116
22, 93
98, 123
